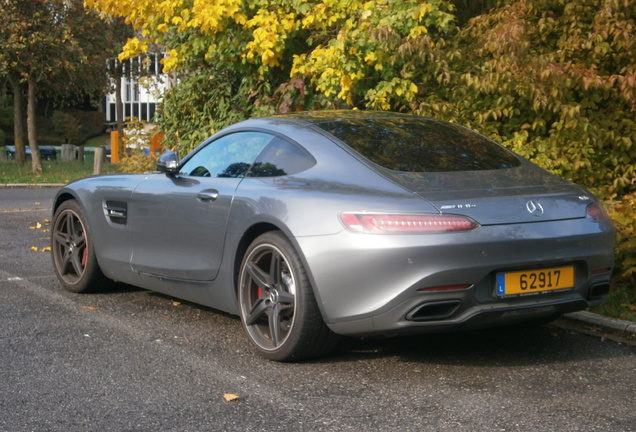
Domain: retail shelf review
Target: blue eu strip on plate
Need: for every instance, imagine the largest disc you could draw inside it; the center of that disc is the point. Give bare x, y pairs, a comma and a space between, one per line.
501, 284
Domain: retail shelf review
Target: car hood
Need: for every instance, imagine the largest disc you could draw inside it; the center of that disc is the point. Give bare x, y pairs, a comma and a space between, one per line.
516, 195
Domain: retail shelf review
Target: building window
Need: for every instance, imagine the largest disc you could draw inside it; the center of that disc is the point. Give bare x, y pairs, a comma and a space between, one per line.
132, 90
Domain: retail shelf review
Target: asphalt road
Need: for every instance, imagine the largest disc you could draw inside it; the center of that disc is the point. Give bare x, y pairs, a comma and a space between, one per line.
133, 360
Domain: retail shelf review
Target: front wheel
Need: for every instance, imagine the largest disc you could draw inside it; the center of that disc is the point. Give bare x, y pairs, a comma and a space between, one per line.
74, 258
278, 307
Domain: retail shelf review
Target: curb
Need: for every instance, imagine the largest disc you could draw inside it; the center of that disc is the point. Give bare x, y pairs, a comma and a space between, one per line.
591, 324
607, 323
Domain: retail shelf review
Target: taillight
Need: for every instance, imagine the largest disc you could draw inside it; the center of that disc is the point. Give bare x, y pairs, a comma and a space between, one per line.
401, 223
596, 212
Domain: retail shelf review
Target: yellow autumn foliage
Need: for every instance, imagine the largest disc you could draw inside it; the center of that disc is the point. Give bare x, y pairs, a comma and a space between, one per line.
334, 44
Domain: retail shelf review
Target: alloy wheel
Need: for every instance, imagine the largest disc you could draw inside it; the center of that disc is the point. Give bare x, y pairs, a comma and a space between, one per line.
69, 246
268, 299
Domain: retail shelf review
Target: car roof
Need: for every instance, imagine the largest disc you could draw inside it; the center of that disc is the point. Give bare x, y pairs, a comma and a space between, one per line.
318, 117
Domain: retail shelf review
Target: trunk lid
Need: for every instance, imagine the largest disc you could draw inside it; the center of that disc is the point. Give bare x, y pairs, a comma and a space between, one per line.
496, 197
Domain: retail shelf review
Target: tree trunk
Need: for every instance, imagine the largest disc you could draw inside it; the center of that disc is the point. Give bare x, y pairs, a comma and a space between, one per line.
119, 105
18, 123
36, 160
80, 153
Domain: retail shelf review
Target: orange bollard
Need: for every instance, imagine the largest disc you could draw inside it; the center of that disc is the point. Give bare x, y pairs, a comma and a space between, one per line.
155, 142
114, 147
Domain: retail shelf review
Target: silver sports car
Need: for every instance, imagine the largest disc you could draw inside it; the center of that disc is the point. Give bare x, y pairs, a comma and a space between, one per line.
320, 224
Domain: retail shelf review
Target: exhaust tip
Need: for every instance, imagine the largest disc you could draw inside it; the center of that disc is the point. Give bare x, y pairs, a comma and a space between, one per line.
434, 310
599, 291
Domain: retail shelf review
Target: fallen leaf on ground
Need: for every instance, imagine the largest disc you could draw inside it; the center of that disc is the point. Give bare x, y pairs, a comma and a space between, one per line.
34, 248
230, 397
176, 303
45, 249
91, 307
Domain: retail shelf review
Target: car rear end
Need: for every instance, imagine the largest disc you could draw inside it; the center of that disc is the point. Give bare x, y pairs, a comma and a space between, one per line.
492, 274
507, 242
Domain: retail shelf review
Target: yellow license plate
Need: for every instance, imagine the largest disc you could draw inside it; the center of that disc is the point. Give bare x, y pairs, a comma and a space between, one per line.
534, 281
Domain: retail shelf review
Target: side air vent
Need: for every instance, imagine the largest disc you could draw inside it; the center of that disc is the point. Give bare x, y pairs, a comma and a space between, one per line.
117, 212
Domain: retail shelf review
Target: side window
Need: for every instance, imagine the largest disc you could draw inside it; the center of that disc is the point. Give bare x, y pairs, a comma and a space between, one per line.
229, 156
281, 158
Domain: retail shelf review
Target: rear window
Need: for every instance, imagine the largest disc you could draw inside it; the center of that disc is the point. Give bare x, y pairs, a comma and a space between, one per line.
415, 144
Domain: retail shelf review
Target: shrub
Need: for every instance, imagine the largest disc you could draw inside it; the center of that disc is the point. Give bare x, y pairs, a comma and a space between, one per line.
66, 125
138, 156
622, 212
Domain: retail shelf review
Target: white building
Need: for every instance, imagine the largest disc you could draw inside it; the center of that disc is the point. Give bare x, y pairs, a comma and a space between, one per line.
142, 87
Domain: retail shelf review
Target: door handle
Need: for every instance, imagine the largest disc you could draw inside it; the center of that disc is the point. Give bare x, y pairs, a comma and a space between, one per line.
208, 195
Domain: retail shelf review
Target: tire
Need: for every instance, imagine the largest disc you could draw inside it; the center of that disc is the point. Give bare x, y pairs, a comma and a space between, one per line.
277, 303
74, 259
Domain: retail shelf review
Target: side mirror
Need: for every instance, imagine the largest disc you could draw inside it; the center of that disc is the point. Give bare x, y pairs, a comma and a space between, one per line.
168, 163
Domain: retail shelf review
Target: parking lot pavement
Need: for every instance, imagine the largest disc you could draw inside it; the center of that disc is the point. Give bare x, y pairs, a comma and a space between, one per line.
135, 360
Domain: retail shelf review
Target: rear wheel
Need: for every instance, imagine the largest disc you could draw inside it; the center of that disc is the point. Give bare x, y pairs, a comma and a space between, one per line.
278, 307
72, 250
